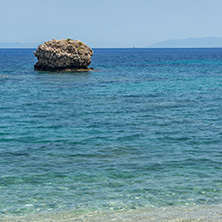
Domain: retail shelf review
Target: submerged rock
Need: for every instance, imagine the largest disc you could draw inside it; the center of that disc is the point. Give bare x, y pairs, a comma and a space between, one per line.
64, 54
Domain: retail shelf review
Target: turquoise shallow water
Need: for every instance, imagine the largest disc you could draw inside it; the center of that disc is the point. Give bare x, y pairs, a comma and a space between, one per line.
143, 131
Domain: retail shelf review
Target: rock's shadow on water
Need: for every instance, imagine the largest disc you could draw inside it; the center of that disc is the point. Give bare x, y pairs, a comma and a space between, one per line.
70, 71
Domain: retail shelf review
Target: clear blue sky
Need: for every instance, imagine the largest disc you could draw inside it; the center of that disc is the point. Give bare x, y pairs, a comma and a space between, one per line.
109, 23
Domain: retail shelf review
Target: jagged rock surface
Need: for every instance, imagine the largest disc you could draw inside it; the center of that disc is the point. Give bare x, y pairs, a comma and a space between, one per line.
65, 54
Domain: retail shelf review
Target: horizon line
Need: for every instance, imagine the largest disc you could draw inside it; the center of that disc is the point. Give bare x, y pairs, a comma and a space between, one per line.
127, 47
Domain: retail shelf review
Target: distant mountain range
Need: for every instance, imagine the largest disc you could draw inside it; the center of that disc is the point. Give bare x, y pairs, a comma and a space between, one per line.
206, 42
17, 45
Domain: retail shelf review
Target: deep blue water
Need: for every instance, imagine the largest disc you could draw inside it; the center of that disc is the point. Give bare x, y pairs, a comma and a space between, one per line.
145, 130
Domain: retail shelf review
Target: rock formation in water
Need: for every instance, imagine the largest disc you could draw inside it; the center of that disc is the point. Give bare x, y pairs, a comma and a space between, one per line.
64, 54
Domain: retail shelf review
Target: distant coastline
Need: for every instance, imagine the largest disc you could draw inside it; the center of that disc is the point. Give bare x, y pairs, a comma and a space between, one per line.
129, 48
207, 42
18, 45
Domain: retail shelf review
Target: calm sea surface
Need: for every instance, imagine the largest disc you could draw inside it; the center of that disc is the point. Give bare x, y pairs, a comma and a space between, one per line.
144, 131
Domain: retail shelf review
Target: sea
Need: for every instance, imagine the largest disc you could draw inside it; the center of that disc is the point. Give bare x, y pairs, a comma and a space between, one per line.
137, 139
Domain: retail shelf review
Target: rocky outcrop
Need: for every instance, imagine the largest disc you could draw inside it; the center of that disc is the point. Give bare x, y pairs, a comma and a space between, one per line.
65, 54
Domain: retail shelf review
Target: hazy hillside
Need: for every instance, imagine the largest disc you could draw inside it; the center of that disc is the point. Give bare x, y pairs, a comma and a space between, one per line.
190, 43
17, 45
